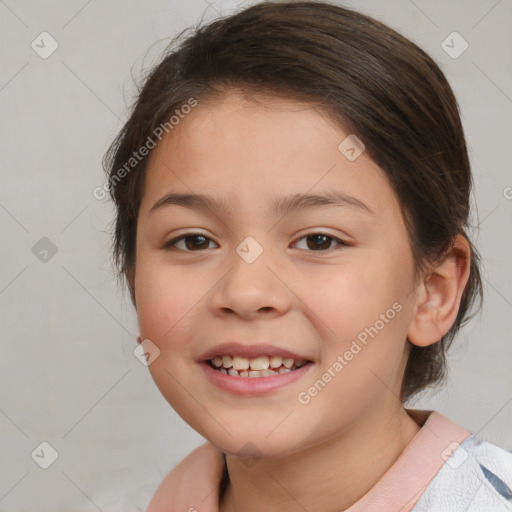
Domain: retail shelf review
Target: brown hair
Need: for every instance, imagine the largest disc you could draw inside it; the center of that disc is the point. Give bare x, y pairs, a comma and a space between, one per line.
366, 77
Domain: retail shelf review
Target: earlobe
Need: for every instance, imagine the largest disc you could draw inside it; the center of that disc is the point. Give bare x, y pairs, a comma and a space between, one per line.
439, 295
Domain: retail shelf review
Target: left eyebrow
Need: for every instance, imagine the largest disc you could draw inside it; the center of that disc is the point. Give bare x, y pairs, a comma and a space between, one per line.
294, 202
279, 206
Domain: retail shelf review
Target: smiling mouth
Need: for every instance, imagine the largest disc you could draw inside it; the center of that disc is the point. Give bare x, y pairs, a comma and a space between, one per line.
263, 366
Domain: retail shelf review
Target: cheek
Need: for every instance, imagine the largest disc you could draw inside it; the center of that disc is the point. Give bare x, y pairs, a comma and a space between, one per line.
165, 305
352, 297
164, 297
364, 314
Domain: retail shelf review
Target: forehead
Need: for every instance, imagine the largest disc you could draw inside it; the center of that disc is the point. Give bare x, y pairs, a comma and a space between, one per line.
250, 150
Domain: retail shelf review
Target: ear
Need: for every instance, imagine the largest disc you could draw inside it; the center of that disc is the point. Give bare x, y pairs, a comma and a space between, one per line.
438, 296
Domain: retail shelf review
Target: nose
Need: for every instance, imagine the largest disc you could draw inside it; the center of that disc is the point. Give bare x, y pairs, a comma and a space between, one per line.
251, 290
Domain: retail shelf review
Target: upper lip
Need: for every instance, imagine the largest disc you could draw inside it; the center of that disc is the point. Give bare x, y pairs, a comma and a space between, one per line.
249, 350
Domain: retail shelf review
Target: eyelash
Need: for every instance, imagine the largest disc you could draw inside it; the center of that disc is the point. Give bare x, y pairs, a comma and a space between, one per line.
171, 243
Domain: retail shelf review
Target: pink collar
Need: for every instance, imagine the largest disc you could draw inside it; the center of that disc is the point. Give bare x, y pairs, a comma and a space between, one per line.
194, 483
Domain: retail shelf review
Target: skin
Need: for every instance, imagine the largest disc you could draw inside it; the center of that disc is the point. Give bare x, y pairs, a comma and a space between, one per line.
312, 301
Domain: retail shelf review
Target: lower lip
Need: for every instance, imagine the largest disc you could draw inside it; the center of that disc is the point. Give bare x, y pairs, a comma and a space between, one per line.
253, 385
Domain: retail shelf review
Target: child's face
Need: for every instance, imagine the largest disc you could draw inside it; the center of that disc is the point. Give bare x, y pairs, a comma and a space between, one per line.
305, 294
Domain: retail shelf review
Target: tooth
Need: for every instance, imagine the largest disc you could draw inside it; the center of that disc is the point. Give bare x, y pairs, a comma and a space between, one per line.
240, 363
255, 367
288, 362
259, 363
276, 361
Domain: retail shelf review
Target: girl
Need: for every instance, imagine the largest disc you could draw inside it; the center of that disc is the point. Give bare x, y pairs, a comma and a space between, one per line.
292, 193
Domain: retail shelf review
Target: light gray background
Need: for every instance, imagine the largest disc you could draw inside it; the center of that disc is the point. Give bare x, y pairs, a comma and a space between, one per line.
69, 376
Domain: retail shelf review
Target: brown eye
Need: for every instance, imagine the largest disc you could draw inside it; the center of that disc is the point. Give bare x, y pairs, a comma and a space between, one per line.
191, 242
320, 242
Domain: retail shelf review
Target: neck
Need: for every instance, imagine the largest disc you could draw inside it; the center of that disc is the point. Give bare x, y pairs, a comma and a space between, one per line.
346, 467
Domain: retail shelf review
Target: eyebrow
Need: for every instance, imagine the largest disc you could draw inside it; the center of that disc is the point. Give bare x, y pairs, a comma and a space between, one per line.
279, 206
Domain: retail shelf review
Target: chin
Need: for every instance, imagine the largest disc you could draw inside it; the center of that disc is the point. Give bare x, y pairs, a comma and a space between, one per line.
253, 446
